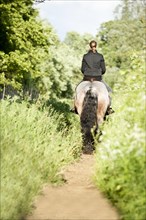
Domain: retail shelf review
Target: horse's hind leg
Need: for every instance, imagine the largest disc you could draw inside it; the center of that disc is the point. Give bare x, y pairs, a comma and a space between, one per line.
96, 129
101, 114
99, 135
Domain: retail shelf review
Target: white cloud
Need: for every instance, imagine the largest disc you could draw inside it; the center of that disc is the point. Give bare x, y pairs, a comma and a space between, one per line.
80, 16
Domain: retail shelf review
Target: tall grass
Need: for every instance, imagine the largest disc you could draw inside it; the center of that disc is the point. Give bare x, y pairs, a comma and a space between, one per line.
35, 145
120, 158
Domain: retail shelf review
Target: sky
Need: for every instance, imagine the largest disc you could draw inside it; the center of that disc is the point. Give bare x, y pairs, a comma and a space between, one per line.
80, 16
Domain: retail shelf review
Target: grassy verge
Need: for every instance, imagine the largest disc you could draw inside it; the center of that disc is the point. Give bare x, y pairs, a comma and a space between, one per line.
35, 145
120, 157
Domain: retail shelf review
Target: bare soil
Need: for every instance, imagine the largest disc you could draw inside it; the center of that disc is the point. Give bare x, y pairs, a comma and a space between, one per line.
77, 199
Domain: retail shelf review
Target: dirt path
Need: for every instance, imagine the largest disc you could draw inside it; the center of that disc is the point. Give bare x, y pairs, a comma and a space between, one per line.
77, 199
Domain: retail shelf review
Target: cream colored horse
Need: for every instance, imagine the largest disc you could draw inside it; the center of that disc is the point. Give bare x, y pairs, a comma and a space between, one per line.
91, 103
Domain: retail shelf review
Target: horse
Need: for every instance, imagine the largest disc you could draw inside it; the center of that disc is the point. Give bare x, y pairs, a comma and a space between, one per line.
91, 103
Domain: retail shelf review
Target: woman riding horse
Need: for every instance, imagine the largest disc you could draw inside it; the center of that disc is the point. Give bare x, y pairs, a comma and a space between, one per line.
93, 67
92, 101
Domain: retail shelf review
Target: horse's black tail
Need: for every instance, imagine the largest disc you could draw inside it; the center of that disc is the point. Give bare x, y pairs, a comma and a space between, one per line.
88, 120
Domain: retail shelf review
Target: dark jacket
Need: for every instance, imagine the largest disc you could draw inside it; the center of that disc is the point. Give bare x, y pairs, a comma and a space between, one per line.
93, 64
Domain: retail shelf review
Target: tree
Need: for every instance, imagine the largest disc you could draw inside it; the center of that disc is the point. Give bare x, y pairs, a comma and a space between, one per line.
129, 9
80, 43
24, 44
120, 37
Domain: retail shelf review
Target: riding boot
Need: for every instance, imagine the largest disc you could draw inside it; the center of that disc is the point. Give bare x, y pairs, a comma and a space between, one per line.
74, 110
109, 110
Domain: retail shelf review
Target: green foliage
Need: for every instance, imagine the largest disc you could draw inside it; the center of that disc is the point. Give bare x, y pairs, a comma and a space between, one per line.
119, 38
24, 44
80, 43
38, 139
130, 10
63, 71
120, 166
35, 145
34, 62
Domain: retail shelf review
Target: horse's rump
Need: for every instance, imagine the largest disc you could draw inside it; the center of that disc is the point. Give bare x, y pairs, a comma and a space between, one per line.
91, 102
98, 89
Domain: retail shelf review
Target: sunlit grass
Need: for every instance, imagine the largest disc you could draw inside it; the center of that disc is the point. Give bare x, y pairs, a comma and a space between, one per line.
34, 147
120, 157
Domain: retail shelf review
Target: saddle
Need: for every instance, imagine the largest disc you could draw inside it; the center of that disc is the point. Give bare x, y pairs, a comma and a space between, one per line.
91, 79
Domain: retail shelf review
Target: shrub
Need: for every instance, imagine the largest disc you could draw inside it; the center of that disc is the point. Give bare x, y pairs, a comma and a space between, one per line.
120, 158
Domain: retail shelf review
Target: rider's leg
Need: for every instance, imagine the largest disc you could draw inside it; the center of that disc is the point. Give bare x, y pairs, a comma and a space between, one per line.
109, 109
74, 110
